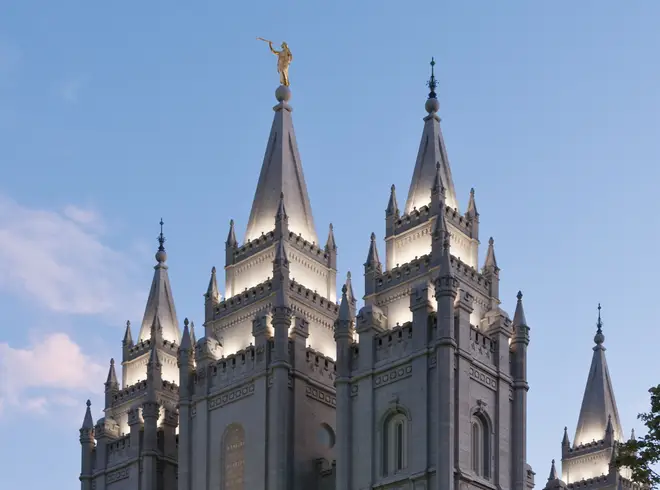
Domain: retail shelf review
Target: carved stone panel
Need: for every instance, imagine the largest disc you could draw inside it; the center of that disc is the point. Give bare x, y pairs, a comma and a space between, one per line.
233, 456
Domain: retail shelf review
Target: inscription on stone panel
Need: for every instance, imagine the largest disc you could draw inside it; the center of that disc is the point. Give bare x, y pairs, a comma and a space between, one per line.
234, 457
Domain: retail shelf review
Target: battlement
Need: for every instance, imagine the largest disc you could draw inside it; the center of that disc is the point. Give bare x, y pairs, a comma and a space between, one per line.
139, 389
119, 450
482, 346
144, 346
395, 343
588, 447
422, 265
252, 247
320, 368
419, 216
310, 249
595, 482
228, 370
313, 298
247, 297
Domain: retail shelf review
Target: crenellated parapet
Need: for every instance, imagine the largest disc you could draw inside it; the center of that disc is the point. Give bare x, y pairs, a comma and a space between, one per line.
422, 265
320, 368
252, 247
424, 214
482, 347
139, 390
231, 370
144, 346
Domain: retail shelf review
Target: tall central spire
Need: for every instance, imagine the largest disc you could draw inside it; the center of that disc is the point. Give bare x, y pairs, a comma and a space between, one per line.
598, 403
431, 152
281, 172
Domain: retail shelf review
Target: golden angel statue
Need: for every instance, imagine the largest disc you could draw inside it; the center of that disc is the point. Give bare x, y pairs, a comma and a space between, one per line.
284, 59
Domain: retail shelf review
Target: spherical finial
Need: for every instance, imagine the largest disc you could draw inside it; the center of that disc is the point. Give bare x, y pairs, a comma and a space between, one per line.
283, 93
432, 105
344, 289
185, 322
89, 404
373, 236
161, 256
519, 296
112, 361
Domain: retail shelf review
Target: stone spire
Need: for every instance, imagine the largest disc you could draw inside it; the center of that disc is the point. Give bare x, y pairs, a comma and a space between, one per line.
598, 403
231, 236
373, 261
553, 472
128, 336
330, 243
111, 381
519, 319
281, 172
431, 152
88, 421
392, 204
186, 341
491, 261
212, 292
160, 303
472, 212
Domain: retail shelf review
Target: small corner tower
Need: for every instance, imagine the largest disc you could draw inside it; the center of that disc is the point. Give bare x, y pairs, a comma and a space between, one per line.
135, 442
587, 461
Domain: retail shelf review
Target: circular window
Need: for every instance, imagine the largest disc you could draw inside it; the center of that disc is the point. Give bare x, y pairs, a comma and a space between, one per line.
326, 436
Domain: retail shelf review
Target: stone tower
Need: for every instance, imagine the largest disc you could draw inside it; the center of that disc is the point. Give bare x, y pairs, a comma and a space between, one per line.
431, 377
257, 393
134, 446
587, 463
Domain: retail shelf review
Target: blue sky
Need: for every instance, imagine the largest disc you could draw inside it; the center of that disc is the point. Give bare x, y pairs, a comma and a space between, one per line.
115, 114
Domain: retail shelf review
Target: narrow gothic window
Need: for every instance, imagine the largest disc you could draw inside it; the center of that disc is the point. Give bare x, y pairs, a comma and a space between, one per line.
481, 447
395, 440
476, 447
398, 445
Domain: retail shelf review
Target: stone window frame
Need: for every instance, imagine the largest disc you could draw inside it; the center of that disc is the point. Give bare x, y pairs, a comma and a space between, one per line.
394, 441
481, 443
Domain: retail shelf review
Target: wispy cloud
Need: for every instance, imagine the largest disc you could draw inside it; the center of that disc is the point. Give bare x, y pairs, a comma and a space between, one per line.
71, 88
59, 261
51, 372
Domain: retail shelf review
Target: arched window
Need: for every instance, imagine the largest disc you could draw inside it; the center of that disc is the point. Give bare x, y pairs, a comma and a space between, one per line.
481, 447
395, 443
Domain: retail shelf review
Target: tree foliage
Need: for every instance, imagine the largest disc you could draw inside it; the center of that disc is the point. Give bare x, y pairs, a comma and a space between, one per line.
641, 453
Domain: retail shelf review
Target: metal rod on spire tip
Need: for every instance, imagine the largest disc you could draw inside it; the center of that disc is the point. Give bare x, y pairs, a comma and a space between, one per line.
432, 83
161, 237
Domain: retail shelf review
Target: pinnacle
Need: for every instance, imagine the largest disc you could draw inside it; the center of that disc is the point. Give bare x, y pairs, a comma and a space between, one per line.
519, 319
330, 243
491, 261
372, 256
88, 421
553, 472
344, 307
186, 343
